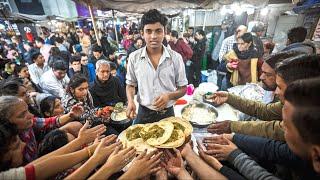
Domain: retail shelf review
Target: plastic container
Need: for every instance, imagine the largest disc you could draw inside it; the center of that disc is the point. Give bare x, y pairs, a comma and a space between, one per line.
190, 89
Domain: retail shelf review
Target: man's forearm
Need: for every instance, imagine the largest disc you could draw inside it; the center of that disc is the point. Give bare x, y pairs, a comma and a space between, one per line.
64, 119
84, 171
130, 90
53, 165
68, 148
202, 169
181, 91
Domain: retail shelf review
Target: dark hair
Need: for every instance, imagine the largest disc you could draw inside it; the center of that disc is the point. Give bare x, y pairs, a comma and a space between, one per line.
52, 141
113, 66
299, 67
53, 59
153, 16
35, 55
39, 39
60, 65
82, 54
54, 51
8, 135
174, 34
304, 96
76, 81
18, 69
76, 58
186, 35
247, 37
47, 105
280, 56
59, 40
10, 87
97, 48
307, 122
201, 32
297, 34
137, 39
66, 56
304, 92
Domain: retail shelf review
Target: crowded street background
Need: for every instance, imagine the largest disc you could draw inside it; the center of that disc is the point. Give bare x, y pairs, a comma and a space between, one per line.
150, 89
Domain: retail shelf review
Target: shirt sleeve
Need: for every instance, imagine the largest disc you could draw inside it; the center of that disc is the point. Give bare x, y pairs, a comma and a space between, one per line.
52, 88
257, 109
230, 173
33, 75
180, 76
264, 149
14, 173
223, 49
131, 78
248, 167
266, 129
45, 123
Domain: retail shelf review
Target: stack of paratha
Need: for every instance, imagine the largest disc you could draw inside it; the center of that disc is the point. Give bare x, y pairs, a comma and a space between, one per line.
170, 132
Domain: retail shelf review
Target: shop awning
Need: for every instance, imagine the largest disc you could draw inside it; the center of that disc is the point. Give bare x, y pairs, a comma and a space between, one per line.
170, 6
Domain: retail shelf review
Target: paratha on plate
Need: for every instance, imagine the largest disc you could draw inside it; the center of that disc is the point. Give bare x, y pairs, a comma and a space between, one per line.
157, 133
181, 124
130, 137
176, 139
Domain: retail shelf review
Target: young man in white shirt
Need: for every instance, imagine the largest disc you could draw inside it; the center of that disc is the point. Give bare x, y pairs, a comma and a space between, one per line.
158, 72
38, 68
55, 80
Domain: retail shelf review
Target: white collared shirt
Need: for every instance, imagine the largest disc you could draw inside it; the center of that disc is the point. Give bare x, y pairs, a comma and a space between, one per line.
36, 72
152, 82
51, 85
227, 45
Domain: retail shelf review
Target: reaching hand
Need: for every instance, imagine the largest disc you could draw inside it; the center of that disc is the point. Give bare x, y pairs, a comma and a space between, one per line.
186, 149
220, 97
88, 135
214, 140
145, 164
174, 163
219, 150
120, 158
220, 127
105, 148
233, 65
76, 110
213, 162
131, 110
161, 101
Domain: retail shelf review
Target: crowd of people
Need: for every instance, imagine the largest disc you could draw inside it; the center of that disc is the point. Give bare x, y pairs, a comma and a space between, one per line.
52, 86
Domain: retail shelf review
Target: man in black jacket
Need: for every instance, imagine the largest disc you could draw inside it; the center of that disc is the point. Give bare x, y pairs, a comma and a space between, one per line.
198, 52
106, 90
97, 54
77, 67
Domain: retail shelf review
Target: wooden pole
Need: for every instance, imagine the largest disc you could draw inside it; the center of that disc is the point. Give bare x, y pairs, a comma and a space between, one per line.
204, 20
94, 25
115, 28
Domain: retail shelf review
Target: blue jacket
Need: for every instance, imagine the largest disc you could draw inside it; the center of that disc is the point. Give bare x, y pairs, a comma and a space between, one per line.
277, 152
92, 73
